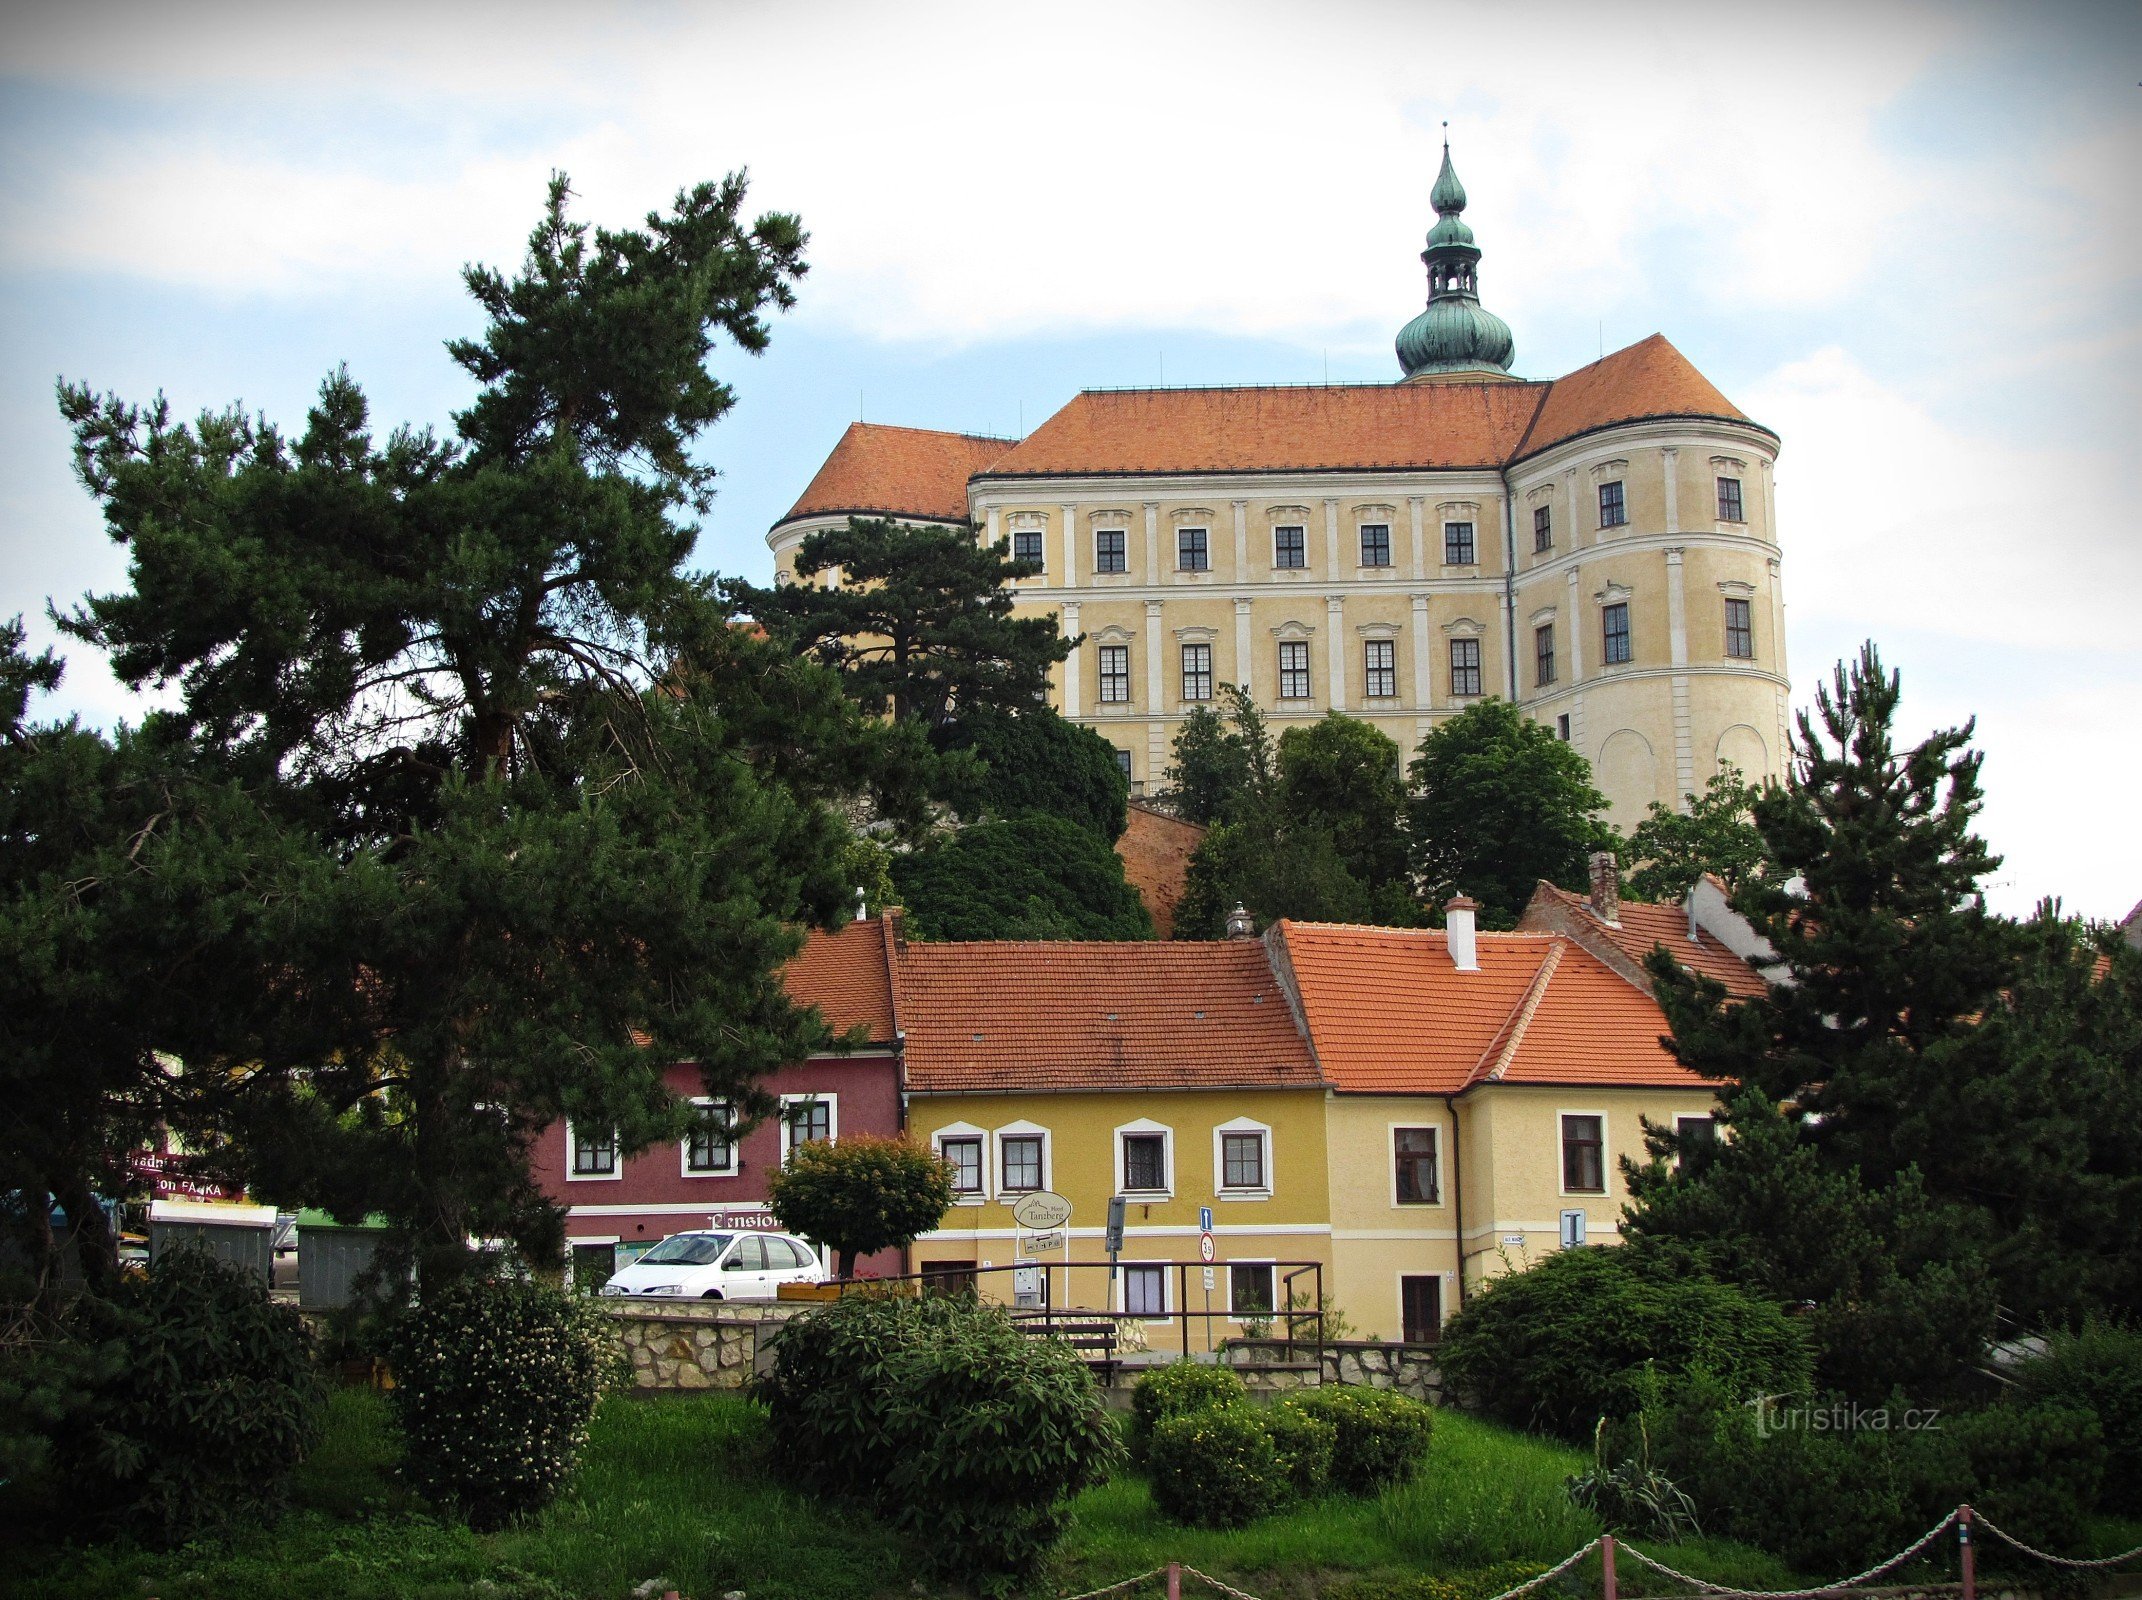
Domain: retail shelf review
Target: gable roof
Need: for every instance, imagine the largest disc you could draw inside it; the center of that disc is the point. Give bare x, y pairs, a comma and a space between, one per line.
1389, 1014
1643, 927
847, 975
1094, 1016
881, 470
1647, 379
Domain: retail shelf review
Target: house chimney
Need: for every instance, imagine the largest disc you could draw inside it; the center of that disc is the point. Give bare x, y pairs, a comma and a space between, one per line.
1240, 924
1458, 932
862, 913
1606, 888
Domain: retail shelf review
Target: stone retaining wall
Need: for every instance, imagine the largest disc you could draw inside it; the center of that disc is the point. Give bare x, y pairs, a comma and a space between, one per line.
1408, 1368
697, 1345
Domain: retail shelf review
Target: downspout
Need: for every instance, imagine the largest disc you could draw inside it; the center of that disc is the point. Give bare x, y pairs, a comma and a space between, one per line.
1509, 599
1457, 1190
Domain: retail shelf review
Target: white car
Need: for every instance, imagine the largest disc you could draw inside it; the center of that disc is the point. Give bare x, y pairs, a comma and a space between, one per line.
720, 1266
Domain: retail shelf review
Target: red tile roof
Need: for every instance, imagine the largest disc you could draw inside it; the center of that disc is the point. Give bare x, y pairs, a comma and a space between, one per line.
1648, 379
914, 472
847, 975
1644, 925
1065, 1016
1389, 1014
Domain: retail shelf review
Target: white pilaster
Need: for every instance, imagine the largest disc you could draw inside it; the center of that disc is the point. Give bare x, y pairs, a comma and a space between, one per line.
1414, 504
1070, 545
1576, 629
991, 532
1576, 528
1684, 756
1241, 540
1335, 651
1156, 729
1244, 666
1672, 458
1331, 540
1071, 682
1423, 692
1777, 650
1152, 541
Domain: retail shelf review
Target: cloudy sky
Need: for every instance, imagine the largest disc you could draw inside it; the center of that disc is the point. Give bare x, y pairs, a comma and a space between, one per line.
1907, 237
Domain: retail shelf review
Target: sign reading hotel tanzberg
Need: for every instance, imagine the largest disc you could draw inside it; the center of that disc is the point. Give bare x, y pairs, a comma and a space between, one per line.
1041, 1211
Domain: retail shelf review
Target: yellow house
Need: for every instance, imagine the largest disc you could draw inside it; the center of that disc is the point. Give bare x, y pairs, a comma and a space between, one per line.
1173, 1075
1481, 1091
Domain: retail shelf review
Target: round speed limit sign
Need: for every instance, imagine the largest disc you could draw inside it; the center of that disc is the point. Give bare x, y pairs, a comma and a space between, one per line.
1204, 1246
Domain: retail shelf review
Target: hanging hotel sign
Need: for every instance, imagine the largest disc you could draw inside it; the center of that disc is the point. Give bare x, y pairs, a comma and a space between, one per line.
1041, 1211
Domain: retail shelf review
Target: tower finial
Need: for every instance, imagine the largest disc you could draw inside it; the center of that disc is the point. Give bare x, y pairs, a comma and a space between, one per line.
1454, 335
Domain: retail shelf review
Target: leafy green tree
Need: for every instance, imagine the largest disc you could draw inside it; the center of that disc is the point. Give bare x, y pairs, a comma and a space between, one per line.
1498, 804
528, 789
1031, 877
860, 1195
1715, 835
1211, 770
919, 623
1341, 774
1035, 762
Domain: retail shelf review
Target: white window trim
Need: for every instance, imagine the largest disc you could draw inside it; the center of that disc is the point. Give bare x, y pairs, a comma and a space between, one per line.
1398, 1290
617, 1161
1167, 1290
1270, 1264
1220, 1191
1390, 1145
994, 1155
684, 1146
965, 1130
832, 1104
1167, 1159
1606, 1155
1680, 1117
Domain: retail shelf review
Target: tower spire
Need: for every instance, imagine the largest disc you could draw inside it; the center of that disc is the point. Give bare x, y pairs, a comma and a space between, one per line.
1455, 334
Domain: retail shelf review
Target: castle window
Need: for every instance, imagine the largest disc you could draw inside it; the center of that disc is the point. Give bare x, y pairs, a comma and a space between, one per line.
1108, 550
1542, 528
1379, 663
1729, 500
1561, 727
1543, 655
1026, 545
1123, 763
1464, 667
1197, 672
1288, 548
1613, 510
711, 1145
1293, 669
1458, 545
1614, 620
1739, 630
1190, 553
1375, 544
1115, 674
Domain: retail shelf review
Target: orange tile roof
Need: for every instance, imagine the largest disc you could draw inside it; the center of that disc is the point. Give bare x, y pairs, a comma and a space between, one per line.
913, 472
847, 975
1389, 1014
1644, 925
1094, 1016
1648, 379
1378, 425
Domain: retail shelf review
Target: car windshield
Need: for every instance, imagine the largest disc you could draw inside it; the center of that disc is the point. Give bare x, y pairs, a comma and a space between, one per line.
686, 1250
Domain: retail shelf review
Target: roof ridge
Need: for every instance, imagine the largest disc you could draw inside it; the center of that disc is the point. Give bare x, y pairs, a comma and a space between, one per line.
1513, 1031
936, 433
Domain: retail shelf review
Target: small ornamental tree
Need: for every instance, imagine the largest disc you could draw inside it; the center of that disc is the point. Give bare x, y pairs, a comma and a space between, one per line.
861, 1195
1716, 834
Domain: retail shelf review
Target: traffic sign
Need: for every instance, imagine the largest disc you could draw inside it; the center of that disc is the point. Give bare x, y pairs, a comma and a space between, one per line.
1037, 1243
1208, 1280
1204, 1246
1204, 1219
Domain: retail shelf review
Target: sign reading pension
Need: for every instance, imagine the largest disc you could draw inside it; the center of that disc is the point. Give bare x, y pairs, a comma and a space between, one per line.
1041, 1211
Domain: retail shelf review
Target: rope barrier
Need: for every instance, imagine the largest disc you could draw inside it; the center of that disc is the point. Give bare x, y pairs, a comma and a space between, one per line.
1554, 1571
1896, 1560
1979, 1520
1117, 1588
1227, 1589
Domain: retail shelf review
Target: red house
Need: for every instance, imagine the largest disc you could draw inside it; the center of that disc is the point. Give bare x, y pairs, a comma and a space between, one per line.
617, 1206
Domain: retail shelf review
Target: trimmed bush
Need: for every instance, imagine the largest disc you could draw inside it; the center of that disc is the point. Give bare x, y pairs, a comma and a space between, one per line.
1216, 1467
2099, 1370
1304, 1444
495, 1383
197, 1430
1381, 1438
1565, 1342
946, 1419
1176, 1391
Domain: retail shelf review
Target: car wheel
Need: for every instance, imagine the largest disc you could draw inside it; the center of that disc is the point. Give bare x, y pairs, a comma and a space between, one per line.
711, 1294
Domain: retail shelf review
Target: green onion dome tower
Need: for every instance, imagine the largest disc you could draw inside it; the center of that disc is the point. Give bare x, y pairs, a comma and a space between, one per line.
1454, 336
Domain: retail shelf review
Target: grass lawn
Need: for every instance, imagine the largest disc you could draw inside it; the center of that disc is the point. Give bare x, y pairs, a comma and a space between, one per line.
673, 1489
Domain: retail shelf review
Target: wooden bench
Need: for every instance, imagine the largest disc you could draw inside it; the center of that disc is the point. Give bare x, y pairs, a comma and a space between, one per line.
1095, 1339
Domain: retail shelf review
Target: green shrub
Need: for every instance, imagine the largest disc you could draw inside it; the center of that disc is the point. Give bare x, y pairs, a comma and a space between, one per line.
1382, 1438
2036, 1471
2100, 1370
947, 1419
198, 1430
1564, 1342
1175, 1391
495, 1383
1305, 1444
1217, 1467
